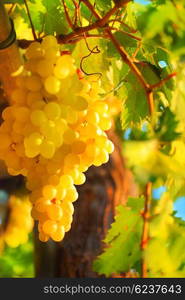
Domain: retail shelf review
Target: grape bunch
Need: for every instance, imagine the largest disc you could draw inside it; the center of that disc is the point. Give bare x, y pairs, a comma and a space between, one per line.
19, 222
52, 132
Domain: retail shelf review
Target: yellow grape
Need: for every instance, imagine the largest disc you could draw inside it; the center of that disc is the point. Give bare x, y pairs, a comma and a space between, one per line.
52, 132
33, 83
58, 235
19, 222
45, 68
49, 227
38, 117
52, 110
49, 41
49, 192
52, 85
47, 149
55, 212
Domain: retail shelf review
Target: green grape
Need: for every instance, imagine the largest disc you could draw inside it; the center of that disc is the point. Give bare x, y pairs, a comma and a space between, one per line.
80, 179
66, 62
80, 104
61, 72
100, 107
30, 150
49, 227
33, 83
48, 129
71, 116
58, 235
6, 141
71, 195
66, 181
45, 67
52, 132
34, 51
49, 41
38, 117
19, 95
55, 212
105, 123
93, 117
36, 139
52, 110
52, 54
70, 136
49, 192
52, 85
22, 114
7, 115
78, 147
102, 158
47, 149
109, 146
33, 97
68, 207
43, 237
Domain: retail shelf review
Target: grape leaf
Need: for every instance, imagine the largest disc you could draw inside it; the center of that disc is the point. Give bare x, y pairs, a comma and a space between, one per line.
54, 19
123, 239
103, 5
135, 103
167, 241
17, 262
164, 13
47, 16
167, 125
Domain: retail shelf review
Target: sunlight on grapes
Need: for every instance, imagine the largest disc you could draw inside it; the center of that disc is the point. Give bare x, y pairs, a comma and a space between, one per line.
53, 131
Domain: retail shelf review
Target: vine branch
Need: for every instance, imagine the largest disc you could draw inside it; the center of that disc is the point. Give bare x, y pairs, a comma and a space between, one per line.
145, 233
30, 19
70, 23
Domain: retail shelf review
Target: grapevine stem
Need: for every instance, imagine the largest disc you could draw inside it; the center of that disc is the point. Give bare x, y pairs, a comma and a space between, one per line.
160, 83
30, 19
70, 23
126, 33
132, 30
145, 233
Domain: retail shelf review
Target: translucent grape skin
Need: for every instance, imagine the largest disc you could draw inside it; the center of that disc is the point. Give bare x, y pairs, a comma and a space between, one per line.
19, 222
53, 131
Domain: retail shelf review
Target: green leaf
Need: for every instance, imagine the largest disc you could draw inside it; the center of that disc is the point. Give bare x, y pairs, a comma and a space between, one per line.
103, 4
135, 108
47, 16
164, 13
37, 10
167, 125
164, 255
54, 18
17, 262
122, 251
150, 72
